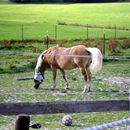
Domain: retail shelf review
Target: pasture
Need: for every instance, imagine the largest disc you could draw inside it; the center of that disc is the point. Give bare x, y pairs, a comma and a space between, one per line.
18, 60
103, 88
39, 19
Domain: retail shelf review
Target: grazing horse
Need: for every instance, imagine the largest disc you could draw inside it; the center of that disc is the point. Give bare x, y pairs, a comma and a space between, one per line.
86, 59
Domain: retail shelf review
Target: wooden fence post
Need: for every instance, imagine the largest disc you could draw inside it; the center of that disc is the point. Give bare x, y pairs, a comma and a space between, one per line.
22, 122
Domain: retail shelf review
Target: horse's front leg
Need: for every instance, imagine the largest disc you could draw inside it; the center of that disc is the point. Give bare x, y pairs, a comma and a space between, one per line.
54, 72
65, 78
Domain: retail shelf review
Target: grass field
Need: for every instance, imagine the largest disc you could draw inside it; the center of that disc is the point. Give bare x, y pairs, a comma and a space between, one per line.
12, 90
37, 19
15, 66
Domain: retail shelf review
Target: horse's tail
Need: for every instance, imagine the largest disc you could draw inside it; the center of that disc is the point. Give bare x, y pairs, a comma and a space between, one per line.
97, 59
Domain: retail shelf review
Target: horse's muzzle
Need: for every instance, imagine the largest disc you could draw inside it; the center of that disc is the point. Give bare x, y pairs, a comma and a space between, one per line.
37, 84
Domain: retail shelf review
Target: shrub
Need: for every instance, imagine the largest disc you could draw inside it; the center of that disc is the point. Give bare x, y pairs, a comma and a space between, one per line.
97, 43
126, 43
5, 44
113, 45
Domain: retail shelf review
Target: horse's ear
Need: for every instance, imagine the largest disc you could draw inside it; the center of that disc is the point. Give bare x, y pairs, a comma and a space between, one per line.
42, 56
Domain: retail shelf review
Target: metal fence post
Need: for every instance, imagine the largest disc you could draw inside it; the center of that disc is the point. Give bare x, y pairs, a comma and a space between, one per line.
55, 31
104, 40
115, 31
47, 41
87, 31
22, 32
22, 122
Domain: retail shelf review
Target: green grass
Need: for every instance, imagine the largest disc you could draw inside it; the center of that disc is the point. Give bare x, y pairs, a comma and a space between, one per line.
40, 18
19, 66
53, 121
12, 90
37, 20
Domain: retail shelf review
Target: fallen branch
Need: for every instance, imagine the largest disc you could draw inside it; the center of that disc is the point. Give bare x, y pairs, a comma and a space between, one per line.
27, 78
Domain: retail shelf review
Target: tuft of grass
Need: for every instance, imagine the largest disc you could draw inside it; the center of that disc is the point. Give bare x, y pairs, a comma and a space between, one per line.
126, 43
113, 44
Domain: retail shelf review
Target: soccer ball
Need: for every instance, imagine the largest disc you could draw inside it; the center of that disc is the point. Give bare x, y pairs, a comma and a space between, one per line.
67, 120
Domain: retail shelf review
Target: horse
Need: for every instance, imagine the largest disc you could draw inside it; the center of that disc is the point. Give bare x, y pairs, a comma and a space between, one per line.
87, 59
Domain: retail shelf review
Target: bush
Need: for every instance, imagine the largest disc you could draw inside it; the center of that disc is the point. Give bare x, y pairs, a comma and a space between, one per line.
113, 45
93, 43
5, 44
126, 43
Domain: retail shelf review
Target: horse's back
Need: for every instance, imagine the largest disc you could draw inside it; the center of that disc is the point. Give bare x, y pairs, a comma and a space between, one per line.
68, 58
79, 50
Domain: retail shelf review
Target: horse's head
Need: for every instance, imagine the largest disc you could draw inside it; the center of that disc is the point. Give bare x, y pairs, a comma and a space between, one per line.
38, 78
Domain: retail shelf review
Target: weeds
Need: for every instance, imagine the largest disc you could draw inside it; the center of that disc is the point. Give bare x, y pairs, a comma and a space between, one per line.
18, 91
113, 45
126, 43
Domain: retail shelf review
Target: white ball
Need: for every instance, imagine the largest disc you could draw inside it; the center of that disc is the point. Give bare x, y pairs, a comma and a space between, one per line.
67, 120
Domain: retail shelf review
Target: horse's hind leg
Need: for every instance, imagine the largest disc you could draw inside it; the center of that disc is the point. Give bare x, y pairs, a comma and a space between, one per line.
65, 78
87, 77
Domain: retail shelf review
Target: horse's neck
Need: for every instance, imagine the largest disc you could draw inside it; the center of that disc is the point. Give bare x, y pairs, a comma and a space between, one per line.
39, 61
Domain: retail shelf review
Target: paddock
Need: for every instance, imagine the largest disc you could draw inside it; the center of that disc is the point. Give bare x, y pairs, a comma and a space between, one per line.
110, 94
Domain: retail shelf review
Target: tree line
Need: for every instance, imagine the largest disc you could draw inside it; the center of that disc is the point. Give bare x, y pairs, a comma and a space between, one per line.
66, 1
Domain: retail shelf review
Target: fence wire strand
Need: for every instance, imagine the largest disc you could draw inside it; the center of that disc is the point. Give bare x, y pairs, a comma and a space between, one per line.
82, 56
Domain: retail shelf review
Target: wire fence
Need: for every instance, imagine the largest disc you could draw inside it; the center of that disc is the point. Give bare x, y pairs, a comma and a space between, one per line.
57, 31
116, 57
25, 32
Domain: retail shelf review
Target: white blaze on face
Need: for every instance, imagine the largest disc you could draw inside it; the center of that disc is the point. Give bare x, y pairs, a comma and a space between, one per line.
38, 76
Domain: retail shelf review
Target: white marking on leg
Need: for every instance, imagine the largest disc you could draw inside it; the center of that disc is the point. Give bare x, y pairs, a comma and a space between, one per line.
67, 86
87, 87
54, 85
67, 83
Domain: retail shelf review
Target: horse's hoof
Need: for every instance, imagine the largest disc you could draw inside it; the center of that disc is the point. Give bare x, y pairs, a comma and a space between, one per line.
89, 90
67, 88
86, 91
52, 89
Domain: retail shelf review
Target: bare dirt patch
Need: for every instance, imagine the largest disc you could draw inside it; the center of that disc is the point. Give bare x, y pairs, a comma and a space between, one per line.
117, 80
